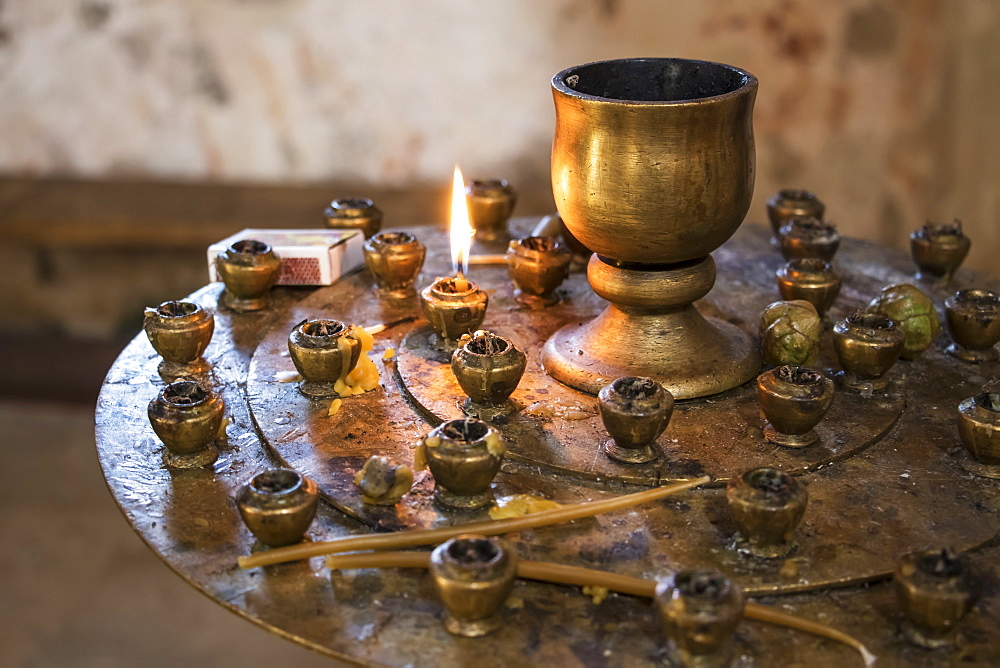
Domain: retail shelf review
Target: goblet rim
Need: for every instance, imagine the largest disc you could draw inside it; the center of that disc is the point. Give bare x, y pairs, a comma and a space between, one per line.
559, 84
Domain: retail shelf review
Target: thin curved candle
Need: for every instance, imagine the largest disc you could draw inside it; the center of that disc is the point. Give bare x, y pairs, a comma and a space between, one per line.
544, 571
487, 528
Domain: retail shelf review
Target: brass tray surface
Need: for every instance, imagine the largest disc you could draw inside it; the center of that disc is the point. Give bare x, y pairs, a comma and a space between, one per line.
884, 480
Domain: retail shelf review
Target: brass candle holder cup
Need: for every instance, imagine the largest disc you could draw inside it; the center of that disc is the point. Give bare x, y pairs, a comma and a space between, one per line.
973, 319
979, 429
914, 313
249, 268
786, 205
179, 331
473, 575
395, 260
187, 417
936, 589
323, 352
488, 368
491, 203
794, 400
453, 307
867, 345
354, 213
809, 279
635, 411
699, 610
808, 237
537, 265
278, 506
651, 246
938, 250
766, 504
464, 456
553, 226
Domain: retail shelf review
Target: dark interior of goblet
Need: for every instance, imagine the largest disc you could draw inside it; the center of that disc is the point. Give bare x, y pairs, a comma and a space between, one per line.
654, 80
473, 551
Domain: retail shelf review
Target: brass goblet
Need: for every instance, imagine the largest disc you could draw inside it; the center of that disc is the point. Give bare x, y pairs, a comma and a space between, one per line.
653, 169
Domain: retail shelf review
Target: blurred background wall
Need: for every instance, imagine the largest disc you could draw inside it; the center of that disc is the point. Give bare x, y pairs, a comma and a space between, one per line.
885, 108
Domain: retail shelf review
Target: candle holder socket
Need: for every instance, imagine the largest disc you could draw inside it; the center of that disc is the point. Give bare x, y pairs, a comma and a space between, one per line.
810, 279
537, 265
464, 456
187, 417
473, 575
278, 506
794, 400
453, 309
323, 352
699, 610
786, 205
635, 411
353, 213
973, 319
936, 589
867, 345
808, 238
249, 268
395, 260
491, 203
938, 250
488, 367
766, 505
179, 331
979, 430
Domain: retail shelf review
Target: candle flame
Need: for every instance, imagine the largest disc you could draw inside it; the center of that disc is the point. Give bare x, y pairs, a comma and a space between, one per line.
461, 229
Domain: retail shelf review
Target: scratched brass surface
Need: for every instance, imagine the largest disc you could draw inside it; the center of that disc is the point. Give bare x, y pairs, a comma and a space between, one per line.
905, 491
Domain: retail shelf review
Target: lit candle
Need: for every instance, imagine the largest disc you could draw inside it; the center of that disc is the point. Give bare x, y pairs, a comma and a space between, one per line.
461, 232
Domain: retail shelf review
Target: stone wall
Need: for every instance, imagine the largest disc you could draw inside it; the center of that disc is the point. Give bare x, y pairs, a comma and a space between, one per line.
886, 108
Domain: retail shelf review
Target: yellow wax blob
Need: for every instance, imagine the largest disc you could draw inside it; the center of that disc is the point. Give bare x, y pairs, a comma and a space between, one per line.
420, 451
334, 407
389, 354
564, 409
596, 593
287, 377
520, 504
364, 377
494, 445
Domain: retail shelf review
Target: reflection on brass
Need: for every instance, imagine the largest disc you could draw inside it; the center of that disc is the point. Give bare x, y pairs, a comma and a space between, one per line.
936, 589
973, 318
464, 456
490, 202
914, 313
636, 142
383, 481
395, 260
786, 205
635, 411
488, 368
867, 345
179, 331
979, 429
767, 505
453, 307
808, 237
810, 279
699, 610
938, 250
789, 333
278, 506
537, 265
187, 417
473, 575
354, 213
249, 268
794, 400
323, 352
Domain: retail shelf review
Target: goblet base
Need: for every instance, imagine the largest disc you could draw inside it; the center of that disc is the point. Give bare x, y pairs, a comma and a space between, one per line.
690, 355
